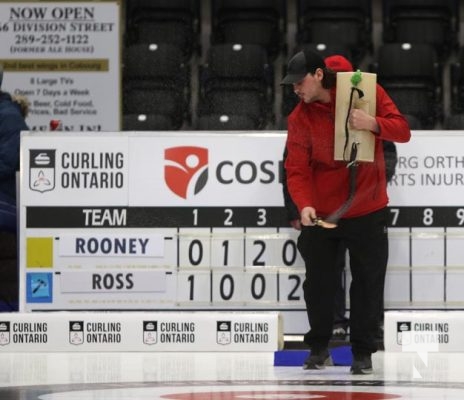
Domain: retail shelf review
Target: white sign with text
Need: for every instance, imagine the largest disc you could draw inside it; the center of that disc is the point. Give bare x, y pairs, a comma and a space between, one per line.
64, 56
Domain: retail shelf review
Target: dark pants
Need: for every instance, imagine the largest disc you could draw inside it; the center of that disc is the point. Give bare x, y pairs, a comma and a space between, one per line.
367, 242
340, 319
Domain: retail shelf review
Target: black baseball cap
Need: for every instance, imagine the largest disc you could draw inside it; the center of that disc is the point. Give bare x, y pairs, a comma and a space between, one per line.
300, 65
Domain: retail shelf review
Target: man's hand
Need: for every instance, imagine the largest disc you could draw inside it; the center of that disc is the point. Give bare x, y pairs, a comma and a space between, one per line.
361, 120
308, 216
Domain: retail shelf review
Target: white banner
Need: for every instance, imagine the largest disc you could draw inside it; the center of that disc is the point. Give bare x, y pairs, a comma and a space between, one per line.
424, 331
430, 170
145, 170
210, 169
136, 331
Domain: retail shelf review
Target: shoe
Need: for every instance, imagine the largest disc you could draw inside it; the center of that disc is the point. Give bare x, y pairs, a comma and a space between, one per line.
318, 359
362, 365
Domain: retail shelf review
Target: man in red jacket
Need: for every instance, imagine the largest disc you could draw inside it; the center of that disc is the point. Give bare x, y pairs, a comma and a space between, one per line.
319, 186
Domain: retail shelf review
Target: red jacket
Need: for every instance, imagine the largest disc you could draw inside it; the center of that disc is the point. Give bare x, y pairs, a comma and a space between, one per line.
313, 177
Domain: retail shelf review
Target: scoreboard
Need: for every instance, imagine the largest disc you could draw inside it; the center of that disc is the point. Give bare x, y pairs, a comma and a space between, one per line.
195, 221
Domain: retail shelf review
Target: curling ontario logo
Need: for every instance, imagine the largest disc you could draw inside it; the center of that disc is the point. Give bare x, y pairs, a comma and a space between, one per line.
403, 333
76, 332
4, 333
186, 170
42, 170
150, 332
223, 332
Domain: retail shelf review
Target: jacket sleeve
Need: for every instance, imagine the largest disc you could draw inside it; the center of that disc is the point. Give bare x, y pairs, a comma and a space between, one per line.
393, 125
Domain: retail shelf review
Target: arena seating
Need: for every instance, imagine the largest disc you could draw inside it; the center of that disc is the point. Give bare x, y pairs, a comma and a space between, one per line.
413, 77
364, 31
176, 22
158, 82
457, 83
347, 22
261, 22
237, 79
435, 22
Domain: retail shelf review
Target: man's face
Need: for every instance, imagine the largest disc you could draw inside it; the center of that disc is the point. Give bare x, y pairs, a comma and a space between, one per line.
310, 87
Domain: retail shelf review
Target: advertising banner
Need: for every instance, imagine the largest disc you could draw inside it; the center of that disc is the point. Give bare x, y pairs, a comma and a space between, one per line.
140, 331
424, 332
64, 56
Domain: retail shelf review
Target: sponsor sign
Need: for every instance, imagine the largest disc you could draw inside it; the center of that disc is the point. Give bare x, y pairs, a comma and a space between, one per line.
64, 56
183, 173
138, 331
430, 170
77, 170
172, 170
424, 331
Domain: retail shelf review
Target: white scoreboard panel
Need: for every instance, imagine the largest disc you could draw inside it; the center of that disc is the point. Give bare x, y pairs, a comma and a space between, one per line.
195, 221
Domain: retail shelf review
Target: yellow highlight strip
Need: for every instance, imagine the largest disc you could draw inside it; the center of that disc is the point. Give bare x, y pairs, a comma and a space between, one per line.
52, 65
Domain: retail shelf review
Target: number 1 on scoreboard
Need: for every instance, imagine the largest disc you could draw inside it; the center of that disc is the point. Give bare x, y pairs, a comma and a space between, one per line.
194, 286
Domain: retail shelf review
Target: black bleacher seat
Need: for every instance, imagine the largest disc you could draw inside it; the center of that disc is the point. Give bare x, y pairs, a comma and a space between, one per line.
457, 83
414, 122
156, 81
454, 122
326, 49
146, 100
238, 102
237, 79
177, 22
147, 122
413, 77
237, 66
435, 22
218, 122
261, 22
347, 22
